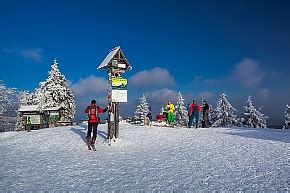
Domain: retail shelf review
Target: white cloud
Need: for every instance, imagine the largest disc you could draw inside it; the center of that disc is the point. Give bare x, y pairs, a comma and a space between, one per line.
162, 96
206, 95
154, 77
210, 81
264, 92
206, 81
8, 51
198, 78
29, 53
249, 73
34, 54
102, 100
90, 85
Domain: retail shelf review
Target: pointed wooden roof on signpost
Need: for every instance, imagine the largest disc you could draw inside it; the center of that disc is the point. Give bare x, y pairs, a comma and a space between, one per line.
115, 59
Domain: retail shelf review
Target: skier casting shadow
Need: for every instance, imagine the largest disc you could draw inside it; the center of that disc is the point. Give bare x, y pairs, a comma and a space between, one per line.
93, 123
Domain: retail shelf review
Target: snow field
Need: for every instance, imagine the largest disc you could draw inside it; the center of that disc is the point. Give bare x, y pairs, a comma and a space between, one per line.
156, 158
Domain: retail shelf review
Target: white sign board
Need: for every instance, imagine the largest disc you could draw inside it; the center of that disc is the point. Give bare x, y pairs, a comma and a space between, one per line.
122, 65
119, 96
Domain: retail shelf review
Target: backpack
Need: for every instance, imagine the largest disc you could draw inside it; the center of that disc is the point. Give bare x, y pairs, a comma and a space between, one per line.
93, 113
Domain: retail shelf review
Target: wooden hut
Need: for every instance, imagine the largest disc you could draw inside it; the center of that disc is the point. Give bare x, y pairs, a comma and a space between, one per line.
48, 117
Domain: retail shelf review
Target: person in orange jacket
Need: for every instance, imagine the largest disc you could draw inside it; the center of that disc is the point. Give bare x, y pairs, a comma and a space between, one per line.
194, 110
93, 122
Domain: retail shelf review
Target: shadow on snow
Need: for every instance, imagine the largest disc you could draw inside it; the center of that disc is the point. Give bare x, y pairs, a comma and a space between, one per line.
261, 133
82, 132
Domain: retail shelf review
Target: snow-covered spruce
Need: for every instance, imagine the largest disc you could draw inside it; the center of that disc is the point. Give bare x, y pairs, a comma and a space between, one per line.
55, 92
287, 117
9, 103
224, 113
211, 115
252, 117
181, 113
27, 98
141, 111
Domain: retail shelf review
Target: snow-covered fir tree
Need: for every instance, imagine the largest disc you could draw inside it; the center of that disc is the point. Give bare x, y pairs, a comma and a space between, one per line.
141, 111
263, 118
27, 98
252, 117
287, 117
4, 101
19, 123
9, 103
224, 113
181, 113
211, 114
55, 92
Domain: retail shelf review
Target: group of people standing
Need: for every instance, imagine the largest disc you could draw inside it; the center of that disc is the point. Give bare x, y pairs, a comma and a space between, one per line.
194, 110
193, 113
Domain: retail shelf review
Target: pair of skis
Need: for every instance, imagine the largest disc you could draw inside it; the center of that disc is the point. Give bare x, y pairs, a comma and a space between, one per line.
91, 144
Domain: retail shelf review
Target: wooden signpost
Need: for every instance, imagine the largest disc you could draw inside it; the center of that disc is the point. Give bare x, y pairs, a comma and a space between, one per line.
116, 64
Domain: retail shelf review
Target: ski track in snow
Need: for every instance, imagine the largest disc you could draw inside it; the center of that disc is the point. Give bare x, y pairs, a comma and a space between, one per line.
149, 159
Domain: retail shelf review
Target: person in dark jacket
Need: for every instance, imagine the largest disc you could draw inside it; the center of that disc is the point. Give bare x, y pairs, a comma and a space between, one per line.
93, 122
149, 119
205, 113
194, 110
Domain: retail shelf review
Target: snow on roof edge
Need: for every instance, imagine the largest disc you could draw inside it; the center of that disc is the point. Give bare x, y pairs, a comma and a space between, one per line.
28, 108
25, 108
52, 108
111, 54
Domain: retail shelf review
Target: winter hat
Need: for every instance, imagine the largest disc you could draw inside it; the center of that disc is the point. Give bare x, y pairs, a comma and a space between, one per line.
93, 102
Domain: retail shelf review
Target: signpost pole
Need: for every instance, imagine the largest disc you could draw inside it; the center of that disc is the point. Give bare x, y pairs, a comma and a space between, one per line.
117, 115
110, 112
116, 64
113, 127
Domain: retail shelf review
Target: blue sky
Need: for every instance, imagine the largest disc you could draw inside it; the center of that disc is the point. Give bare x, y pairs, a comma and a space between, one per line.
201, 48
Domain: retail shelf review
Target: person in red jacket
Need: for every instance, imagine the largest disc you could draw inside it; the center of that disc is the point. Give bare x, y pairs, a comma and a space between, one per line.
93, 122
194, 110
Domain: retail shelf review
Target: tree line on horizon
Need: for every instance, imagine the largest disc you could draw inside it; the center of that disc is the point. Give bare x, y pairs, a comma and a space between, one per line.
56, 92
221, 116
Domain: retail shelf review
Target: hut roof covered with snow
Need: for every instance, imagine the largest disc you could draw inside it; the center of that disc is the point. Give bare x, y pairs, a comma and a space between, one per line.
115, 58
34, 108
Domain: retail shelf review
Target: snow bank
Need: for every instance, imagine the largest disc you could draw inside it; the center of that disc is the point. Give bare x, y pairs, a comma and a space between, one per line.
145, 158
159, 123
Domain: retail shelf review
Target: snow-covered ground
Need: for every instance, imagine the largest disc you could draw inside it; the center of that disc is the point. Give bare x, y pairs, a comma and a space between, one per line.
147, 159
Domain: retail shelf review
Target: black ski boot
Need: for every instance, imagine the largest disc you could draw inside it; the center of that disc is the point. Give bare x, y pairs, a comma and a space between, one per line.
89, 143
93, 144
